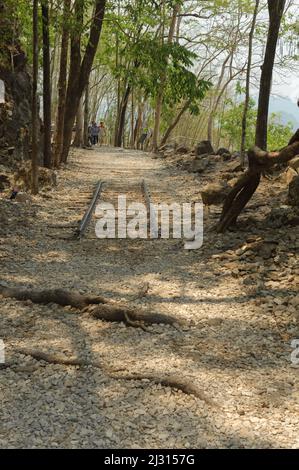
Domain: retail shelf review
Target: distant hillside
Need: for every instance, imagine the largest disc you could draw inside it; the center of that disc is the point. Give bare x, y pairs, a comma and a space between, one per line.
287, 108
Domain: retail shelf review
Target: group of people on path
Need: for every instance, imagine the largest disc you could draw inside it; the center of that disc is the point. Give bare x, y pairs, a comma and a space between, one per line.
96, 133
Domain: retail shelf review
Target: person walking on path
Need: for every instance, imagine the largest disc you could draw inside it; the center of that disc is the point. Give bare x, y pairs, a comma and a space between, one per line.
94, 132
144, 138
102, 133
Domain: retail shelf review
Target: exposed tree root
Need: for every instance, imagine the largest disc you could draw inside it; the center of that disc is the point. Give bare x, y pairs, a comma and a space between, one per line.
135, 324
58, 359
119, 313
187, 387
55, 296
99, 307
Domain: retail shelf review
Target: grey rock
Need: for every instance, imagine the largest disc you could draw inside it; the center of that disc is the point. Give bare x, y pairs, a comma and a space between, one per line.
214, 193
199, 165
294, 163
203, 147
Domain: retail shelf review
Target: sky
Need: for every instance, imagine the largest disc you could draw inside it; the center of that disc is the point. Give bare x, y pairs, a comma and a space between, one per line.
288, 88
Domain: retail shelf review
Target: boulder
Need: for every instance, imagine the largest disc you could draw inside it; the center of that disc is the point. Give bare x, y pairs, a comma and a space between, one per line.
199, 165
222, 151
293, 195
214, 193
294, 164
289, 175
182, 149
226, 156
204, 147
236, 155
233, 167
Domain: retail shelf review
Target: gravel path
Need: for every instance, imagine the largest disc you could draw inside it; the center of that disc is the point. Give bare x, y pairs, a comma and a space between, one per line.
242, 308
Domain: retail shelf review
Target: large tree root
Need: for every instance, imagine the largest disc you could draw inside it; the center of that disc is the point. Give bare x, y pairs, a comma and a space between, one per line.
243, 190
185, 386
119, 313
99, 307
55, 296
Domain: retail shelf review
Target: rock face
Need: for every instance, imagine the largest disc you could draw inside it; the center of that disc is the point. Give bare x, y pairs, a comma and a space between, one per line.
15, 111
293, 195
204, 147
22, 178
214, 193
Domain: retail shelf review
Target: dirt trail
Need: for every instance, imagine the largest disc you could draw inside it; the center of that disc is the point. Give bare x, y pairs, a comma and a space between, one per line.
236, 349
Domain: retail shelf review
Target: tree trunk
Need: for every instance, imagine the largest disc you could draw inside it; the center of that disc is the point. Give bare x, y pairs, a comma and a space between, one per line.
132, 119
174, 123
276, 8
78, 142
259, 162
62, 85
247, 95
220, 91
86, 117
138, 124
34, 100
80, 72
159, 101
46, 86
158, 112
122, 117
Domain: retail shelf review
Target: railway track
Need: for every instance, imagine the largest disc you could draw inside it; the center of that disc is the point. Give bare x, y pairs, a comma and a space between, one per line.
104, 191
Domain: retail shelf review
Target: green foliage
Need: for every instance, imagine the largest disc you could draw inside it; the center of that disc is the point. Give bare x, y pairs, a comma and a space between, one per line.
231, 122
278, 133
135, 54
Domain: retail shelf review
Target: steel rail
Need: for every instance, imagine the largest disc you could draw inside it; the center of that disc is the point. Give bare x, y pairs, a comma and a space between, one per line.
88, 214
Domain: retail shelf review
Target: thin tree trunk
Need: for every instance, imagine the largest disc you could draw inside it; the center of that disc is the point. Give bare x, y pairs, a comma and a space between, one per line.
78, 142
80, 72
276, 8
86, 116
34, 100
132, 119
122, 117
117, 59
62, 85
72, 98
174, 123
159, 101
46, 85
219, 91
247, 93
138, 124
